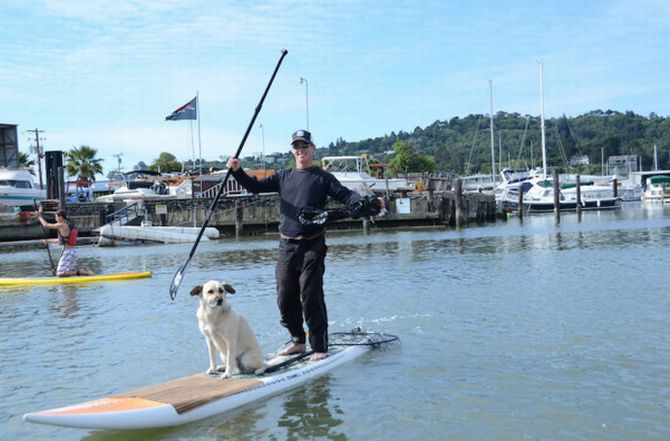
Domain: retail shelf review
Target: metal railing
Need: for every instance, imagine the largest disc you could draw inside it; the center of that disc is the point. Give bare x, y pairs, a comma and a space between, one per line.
127, 213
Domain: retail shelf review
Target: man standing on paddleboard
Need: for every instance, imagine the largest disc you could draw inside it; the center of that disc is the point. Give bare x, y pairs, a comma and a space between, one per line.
67, 237
302, 247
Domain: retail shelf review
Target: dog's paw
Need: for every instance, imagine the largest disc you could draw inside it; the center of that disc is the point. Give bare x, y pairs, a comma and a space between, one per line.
211, 370
260, 371
225, 375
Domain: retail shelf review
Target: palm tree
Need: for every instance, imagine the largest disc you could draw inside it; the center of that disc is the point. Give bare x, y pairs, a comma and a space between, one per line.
26, 162
82, 163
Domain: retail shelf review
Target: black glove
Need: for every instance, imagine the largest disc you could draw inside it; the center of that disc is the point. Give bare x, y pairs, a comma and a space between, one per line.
368, 206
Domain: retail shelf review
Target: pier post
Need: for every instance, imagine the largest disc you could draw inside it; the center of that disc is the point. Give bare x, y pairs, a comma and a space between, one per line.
520, 208
578, 191
239, 218
61, 187
615, 188
458, 202
557, 197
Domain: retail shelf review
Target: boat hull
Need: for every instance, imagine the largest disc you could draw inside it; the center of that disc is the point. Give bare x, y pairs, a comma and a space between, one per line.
544, 207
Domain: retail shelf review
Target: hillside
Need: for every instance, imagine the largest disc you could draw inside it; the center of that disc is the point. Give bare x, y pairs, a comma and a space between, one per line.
463, 145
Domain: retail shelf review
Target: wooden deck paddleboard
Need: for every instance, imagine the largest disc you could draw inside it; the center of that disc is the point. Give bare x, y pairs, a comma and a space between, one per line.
195, 397
16, 281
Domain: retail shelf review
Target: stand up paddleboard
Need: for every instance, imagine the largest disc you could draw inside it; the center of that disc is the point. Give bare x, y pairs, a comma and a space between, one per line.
199, 396
14, 281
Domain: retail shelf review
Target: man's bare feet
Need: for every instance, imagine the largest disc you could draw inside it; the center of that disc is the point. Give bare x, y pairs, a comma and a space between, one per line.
318, 356
294, 348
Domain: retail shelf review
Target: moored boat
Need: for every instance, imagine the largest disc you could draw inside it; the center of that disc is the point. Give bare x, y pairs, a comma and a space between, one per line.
538, 196
353, 173
18, 188
657, 189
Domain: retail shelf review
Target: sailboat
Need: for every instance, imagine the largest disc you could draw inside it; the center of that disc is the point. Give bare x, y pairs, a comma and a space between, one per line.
538, 190
481, 182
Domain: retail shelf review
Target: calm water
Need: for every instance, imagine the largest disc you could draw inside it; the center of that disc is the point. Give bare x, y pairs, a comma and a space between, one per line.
508, 332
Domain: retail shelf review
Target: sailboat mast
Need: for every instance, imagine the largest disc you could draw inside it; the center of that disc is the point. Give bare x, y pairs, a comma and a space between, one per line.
493, 154
544, 148
655, 158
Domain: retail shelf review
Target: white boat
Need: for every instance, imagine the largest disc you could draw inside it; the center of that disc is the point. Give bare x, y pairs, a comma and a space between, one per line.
511, 181
538, 196
354, 173
479, 183
538, 189
18, 187
110, 234
145, 190
657, 189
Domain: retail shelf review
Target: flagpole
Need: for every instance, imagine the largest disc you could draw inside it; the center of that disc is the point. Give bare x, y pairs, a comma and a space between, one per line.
192, 143
197, 116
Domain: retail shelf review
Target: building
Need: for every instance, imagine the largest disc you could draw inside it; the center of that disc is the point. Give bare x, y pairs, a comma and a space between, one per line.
9, 146
623, 164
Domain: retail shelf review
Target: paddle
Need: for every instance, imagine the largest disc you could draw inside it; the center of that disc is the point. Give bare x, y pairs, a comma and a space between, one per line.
46, 238
288, 361
178, 276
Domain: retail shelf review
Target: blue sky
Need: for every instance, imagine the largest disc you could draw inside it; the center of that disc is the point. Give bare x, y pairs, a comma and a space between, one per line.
106, 73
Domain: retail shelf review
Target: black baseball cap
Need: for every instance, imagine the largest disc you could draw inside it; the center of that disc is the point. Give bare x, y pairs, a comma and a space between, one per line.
302, 135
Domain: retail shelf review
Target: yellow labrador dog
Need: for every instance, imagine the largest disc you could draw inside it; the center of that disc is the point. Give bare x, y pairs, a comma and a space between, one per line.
226, 330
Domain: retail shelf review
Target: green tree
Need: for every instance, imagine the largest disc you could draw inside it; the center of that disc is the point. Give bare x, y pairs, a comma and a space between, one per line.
26, 162
165, 163
408, 160
82, 163
140, 166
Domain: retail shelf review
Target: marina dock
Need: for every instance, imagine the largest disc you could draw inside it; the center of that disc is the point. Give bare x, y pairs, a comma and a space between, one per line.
259, 214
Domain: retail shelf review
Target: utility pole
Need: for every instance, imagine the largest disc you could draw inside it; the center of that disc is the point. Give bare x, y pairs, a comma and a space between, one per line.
118, 164
38, 151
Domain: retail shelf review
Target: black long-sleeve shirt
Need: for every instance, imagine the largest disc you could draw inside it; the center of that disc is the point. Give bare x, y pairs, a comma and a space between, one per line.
299, 189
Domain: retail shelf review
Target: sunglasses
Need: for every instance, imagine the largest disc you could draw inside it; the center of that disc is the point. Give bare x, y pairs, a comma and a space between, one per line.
301, 145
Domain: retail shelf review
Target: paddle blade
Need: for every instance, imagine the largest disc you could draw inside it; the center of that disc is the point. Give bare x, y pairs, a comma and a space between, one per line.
177, 278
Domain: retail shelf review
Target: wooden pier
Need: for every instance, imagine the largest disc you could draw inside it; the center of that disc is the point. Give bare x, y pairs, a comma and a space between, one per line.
259, 214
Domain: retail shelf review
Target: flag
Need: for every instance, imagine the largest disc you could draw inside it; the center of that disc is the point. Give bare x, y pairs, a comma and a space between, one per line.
187, 111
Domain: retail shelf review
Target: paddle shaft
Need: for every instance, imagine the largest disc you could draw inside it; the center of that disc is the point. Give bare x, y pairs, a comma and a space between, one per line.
46, 239
294, 359
178, 276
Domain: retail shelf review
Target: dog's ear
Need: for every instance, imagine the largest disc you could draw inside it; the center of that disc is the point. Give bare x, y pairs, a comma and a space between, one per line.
196, 290
228, 288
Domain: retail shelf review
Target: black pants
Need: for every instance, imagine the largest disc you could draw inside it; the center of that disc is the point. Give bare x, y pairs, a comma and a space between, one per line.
299, 274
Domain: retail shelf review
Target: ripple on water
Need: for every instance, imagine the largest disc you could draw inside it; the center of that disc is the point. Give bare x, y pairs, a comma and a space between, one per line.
507, 332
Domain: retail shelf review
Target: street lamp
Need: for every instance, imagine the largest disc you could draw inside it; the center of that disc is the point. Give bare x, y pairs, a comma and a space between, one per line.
263, 139
304, 80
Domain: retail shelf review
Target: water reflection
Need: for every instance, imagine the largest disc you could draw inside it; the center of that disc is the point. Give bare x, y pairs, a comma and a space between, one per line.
66, 300
308, 415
